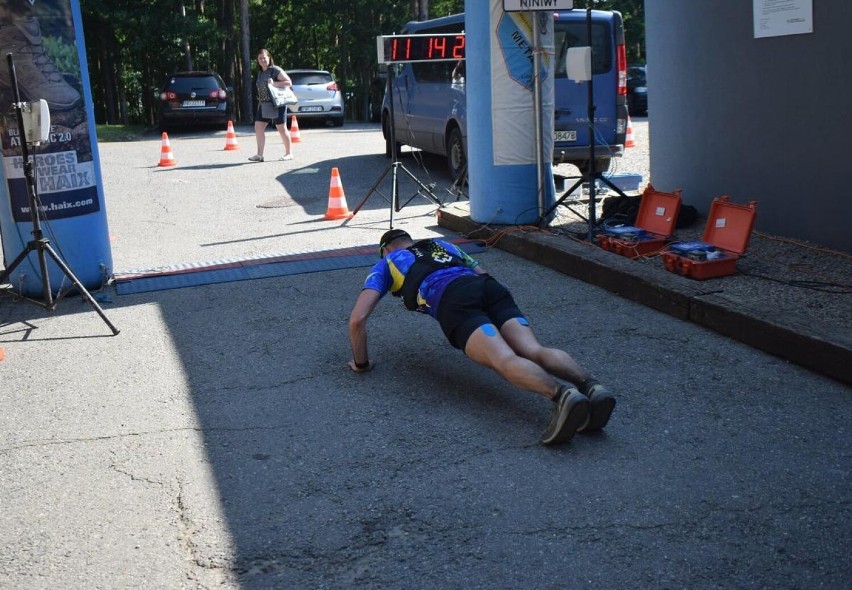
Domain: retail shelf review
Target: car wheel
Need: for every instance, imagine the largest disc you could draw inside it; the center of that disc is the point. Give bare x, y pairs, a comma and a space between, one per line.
456, 157
375, 113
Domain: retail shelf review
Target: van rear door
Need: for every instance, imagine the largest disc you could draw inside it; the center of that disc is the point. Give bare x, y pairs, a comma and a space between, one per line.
571, 127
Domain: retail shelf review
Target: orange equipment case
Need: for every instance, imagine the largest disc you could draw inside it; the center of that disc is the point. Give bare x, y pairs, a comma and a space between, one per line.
655, 223
725, 239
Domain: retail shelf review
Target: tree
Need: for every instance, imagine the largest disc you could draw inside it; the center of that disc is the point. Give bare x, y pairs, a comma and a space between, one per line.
245, 39
633, 12
134, 44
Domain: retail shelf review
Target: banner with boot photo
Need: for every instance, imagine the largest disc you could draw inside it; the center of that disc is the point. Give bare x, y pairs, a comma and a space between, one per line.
45, 40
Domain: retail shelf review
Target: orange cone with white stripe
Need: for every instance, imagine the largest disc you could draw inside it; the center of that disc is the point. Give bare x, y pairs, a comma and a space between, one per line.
295, 136
167, 158
337, 208
628, 140
231, 138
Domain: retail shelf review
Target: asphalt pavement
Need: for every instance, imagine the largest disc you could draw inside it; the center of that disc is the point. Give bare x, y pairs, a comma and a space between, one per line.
219, 441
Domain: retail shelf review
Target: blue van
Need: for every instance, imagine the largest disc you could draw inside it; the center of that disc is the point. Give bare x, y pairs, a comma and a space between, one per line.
430, 108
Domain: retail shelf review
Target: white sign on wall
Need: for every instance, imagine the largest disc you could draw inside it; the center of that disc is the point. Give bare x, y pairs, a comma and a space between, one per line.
525, 5
773, 18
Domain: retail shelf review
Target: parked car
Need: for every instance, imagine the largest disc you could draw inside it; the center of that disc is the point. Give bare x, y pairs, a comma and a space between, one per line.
637, 90
319, 97
194, 98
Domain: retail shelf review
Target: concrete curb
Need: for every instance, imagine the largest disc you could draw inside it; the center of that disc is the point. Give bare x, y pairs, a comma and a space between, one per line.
820, 347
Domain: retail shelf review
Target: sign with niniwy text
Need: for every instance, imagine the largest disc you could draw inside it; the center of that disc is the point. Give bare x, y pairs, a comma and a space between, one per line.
531, 5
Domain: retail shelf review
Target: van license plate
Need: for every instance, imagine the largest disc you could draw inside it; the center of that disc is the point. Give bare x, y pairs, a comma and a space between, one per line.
309, 109
192, 103
564, 136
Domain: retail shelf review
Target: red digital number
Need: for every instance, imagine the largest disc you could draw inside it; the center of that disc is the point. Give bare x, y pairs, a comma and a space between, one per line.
425, 47
458, 47
437, 47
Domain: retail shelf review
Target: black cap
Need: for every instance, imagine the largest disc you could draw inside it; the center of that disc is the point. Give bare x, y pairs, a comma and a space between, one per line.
390, 236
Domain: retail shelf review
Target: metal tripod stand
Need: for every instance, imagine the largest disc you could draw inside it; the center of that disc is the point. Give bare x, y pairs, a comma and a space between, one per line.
39, 244
589, 175
395, 166
591, 179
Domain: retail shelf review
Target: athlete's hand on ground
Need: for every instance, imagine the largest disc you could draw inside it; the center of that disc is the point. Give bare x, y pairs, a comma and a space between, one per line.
370, 365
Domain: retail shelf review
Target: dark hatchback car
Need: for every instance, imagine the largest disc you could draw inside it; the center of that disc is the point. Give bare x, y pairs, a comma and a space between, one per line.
319, 97
637, 90
194, 99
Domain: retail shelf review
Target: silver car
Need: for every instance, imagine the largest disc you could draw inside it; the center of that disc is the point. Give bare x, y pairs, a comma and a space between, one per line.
319, 97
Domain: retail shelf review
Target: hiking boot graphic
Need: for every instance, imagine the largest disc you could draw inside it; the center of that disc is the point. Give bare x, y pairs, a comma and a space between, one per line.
36, 73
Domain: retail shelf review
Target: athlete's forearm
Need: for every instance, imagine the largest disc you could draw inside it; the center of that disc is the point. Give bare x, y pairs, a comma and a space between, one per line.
364, 306
358, 340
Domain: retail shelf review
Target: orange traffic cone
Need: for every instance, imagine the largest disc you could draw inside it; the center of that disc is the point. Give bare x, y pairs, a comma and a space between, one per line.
337, 208
294, 130
166, 156
231, 138
629, 141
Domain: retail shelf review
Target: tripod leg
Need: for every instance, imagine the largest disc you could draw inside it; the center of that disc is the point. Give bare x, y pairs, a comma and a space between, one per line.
541, 220
18, 260
395, 192
607, 182
373, 188
86, 295
45, 279
459, 183
37, 246
429, 194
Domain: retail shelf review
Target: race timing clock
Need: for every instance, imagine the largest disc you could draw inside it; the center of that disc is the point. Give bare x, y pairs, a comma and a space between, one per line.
420, 47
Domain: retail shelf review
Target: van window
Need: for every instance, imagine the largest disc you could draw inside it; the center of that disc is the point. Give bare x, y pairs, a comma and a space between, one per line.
573, 34
435, 71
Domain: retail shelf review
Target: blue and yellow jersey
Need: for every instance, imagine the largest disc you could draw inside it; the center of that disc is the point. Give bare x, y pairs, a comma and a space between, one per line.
389, 273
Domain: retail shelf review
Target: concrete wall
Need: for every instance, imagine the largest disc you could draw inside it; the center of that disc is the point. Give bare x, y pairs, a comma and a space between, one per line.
757, 119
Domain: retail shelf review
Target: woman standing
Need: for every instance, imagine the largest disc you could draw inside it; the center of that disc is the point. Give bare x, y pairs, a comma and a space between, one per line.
267, 112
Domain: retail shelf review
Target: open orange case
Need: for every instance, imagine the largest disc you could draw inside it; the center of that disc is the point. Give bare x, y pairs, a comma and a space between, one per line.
725, 239
654, 227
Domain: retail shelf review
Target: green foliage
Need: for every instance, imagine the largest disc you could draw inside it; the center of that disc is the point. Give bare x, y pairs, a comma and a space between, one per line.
439, 8
115, 133
633, 13
133, 44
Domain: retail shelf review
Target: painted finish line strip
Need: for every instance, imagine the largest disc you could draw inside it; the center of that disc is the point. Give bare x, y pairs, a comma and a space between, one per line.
224, 271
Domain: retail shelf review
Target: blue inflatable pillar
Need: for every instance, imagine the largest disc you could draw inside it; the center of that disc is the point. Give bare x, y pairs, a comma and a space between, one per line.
501, 113
67, 167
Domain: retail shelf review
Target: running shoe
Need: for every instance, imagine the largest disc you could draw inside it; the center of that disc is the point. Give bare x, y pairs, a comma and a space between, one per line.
601, 405
570, 411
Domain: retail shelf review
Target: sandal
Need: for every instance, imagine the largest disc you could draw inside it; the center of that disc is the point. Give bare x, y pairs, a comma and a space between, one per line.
286, 157
256, 158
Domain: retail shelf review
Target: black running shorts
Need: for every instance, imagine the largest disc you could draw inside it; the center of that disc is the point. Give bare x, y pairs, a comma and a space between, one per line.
473, 301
